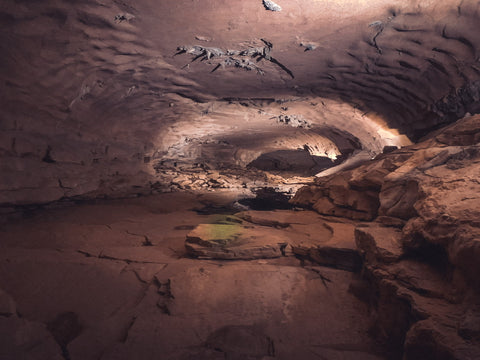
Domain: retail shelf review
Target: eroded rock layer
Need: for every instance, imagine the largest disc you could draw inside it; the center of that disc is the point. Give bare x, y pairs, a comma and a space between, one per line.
421, 252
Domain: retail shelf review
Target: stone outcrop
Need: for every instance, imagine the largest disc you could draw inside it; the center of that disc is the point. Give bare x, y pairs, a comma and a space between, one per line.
234, 241
280, 233
353, 194
421, 251
379, 244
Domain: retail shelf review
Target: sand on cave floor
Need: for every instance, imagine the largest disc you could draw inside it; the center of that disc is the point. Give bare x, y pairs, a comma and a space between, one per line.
119, 269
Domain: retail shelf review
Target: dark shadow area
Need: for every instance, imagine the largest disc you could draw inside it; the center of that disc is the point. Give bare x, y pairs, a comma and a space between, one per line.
268, 199
434, 255
65, 328
210, 208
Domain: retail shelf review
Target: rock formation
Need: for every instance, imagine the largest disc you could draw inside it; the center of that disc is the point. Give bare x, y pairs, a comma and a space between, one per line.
239, 179
419, 251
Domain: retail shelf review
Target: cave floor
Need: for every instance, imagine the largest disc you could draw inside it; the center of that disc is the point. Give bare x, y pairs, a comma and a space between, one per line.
110, 280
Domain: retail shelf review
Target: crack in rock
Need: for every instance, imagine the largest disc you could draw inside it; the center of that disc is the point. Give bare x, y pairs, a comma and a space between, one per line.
321, 276
106, 257
127, 330
146, 241
166, 297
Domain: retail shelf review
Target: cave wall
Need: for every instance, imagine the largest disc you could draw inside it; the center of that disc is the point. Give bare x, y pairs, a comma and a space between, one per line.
109, 98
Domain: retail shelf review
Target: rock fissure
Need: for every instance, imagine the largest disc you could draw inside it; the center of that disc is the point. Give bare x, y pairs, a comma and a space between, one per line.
126, 260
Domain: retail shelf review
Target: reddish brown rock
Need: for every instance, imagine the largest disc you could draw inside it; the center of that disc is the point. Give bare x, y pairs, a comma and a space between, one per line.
235, 242
432, 341
379, 244
397, 199
465, 133
334, 196
329, 244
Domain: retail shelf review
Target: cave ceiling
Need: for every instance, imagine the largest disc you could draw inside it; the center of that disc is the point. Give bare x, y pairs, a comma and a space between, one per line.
88, 82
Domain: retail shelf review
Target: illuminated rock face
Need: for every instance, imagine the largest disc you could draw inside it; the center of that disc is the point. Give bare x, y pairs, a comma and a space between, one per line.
115, 99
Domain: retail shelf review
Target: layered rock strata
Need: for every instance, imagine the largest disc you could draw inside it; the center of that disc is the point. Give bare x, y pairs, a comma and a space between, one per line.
419, 252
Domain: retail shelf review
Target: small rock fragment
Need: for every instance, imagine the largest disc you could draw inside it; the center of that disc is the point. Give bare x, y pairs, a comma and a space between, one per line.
308, 46
203, 38
375, 23
124, 17
270, 5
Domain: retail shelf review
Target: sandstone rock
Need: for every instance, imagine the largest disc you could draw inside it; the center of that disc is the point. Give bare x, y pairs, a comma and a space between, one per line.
390, 221
420, 253
464, 253
463, 133
371, 175
379, 244
308, 195
410, 292
363, 204
278, 233
353, 194
337, 257
397, 199
447, 211
335, 197
420, 278
429, 340
219, 241
280, 218
332, 244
